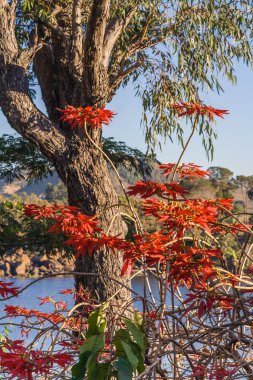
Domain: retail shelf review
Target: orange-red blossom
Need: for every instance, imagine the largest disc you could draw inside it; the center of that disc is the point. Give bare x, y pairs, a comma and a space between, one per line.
189, 109
79, 116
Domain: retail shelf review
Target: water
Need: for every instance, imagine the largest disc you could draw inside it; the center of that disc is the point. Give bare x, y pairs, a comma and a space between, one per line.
52, 287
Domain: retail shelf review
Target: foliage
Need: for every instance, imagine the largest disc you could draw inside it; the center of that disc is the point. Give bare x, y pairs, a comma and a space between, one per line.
222, 180
130, 158
170, 50
57, 193
188, 252
16, 230
19, 159
129, 343
245, 183
187, 327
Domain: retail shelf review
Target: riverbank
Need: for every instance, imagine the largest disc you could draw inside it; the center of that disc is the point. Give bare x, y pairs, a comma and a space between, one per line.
26, 264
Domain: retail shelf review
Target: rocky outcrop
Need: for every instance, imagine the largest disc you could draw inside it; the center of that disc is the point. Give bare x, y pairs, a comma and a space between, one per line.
25, 264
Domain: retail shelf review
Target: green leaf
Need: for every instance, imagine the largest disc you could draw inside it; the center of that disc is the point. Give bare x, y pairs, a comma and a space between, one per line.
118, 337
93, 344
129, 350
97, 322
131, 357
124, 369
19, 206
99, 371
137, 333
138, 318
8, 204
78, 370
88, 356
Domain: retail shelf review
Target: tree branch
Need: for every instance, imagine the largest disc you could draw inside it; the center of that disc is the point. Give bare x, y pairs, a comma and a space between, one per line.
15, 100
114, 30
8, 45
76, 53
115, 81
95, 75
26, 56
96, 26
23, 115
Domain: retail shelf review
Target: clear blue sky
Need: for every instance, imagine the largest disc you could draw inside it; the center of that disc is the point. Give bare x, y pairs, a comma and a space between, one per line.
234, 146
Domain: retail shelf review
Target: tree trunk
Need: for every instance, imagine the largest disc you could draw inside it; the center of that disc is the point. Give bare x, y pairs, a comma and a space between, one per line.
85, 174
65, 78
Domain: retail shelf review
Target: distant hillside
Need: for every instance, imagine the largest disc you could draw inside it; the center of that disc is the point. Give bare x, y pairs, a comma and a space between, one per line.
199, 188
38, 188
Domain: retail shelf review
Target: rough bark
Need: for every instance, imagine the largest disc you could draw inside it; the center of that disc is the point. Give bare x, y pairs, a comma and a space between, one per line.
63, 80
90, 188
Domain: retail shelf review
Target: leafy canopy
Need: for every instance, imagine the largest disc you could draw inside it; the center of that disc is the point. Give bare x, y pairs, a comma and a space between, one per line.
171, 50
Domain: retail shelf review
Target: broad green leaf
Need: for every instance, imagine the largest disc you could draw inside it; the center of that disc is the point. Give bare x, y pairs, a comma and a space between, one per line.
78, 370
137, 333
119, 336
99, 371
97, 322
131, 356
93, 344
88, 356
124, 369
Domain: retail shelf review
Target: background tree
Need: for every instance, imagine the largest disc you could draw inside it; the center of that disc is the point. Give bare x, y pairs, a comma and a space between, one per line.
82, 51
222, 180
245, 183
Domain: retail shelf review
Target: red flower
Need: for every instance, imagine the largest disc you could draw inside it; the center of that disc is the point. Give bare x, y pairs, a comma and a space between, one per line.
77, 117
149, 188
68, 291
185, 170
6, 289
181, 216
21, 364
189, 109
83, 242
16, 311
50, 211
153, 247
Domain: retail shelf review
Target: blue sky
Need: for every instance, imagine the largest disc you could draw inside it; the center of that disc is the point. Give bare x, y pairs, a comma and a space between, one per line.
234, 146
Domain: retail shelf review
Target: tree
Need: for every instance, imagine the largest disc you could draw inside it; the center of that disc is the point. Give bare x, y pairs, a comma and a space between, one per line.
81, 52
222, 180
245, 183
195, 307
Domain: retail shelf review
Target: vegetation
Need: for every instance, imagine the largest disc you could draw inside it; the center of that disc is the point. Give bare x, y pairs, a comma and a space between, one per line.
195, 319
80, 52
16, 230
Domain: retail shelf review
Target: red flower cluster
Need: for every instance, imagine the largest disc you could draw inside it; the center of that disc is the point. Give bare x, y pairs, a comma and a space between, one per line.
83, 232
205, 301
17, 311
185, 170
182, 216
189, 109
6, 289
39, 212
180, 220
95, 118
151, 246
22, 364
149, 188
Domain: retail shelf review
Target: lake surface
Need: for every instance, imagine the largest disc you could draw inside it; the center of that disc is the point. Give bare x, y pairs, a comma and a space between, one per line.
52, 287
